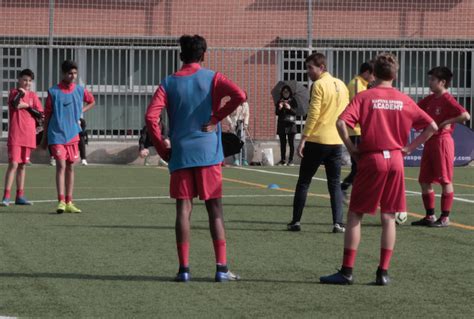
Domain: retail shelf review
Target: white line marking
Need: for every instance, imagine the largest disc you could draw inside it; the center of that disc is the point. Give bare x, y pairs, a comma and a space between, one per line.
151, 197
437, 195
277, 173
324, 180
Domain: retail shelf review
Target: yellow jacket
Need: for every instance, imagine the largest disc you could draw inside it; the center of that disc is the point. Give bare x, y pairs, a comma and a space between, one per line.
329, 97
356, 85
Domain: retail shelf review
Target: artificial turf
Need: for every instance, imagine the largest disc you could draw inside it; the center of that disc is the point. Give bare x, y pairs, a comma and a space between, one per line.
118, 257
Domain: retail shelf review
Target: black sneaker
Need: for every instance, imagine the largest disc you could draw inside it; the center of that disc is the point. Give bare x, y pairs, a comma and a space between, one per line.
294, 226
290, 163
382, 278
337, 279
441, 222
338, 228
425, 221
281, 163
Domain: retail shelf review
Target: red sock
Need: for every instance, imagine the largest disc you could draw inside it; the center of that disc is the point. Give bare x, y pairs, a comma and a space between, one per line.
20, 193
385, 256
447, 203
220, 251
429, 200
183, 254
61, 198
6, 193
349, 258
68, 199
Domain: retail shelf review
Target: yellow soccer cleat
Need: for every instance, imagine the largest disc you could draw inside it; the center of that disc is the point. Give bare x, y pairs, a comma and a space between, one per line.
70, 208
61, 207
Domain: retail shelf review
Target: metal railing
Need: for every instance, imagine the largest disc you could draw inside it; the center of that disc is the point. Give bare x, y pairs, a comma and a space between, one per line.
123, 79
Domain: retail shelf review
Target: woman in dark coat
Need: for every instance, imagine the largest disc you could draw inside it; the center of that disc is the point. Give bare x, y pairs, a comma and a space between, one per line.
285, 109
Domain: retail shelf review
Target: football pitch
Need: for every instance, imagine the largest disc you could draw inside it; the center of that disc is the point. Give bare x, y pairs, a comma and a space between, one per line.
118, 258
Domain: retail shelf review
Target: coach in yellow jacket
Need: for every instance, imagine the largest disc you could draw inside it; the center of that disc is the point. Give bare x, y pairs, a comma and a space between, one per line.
320, 143
358, 84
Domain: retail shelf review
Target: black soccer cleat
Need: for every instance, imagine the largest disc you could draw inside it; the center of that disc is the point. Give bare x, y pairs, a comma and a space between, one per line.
337, 279
441, 222
382, 278
425, 221
294, 226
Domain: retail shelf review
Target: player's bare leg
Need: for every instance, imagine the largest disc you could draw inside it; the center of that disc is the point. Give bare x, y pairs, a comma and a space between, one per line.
60, 177
447, 198
216, 226
20, 186
352, 234
428, 196
216, 218
184, 208
20, 176
69, 181
60, 185
387, 244
426, 188
9, 177
351, 244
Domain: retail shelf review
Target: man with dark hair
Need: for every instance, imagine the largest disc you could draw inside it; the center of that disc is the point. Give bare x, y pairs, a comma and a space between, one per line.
385, 116
320, 143
192, 97
358, 84
192, 48
437, 161
64, 106
22, 102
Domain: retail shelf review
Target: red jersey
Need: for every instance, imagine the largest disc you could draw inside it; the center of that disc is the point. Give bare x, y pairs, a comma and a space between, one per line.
442, 108
385, 116
67, 88
22, 125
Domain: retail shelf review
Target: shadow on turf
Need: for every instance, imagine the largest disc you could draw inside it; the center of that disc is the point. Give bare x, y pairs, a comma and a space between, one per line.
250, 204
136, 278
167, 227
36, 212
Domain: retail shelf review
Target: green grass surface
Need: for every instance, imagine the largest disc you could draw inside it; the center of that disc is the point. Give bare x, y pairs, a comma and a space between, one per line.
118, 258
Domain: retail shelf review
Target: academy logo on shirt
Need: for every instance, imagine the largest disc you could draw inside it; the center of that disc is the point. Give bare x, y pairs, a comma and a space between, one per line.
393, 105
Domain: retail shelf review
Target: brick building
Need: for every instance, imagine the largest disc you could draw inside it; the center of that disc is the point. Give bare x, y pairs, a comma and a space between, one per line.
125, 47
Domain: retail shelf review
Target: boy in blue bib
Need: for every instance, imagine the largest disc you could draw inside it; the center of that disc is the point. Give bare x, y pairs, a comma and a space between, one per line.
192, 98
65, 103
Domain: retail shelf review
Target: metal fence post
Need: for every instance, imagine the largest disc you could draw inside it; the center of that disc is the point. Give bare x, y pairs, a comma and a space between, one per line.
51, 41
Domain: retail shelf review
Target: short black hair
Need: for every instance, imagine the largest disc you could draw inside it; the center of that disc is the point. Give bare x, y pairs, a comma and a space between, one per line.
442, 73
367, 66
68, 65
26, 72
192, 48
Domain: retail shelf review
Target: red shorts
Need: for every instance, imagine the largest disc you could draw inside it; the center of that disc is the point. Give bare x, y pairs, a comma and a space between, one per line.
437, 162
379, 181
19, 154
65, 152
205, 181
